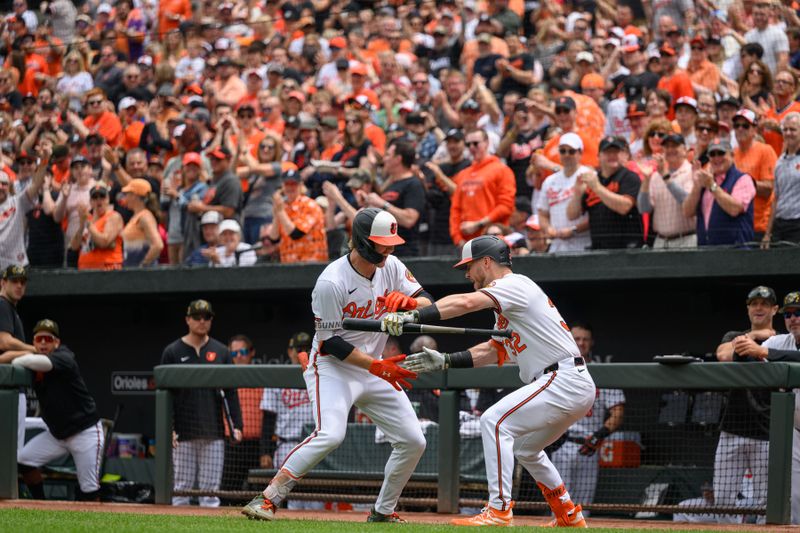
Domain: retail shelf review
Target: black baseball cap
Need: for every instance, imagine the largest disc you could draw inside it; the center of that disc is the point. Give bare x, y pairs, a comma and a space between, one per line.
762, 292
455, 134
293, 122
470, 105
79, 160
13, 272
48, 326
199, 307
291, 175
565, 102
676, 138
300, 340
729, 100
613, 141
791, 301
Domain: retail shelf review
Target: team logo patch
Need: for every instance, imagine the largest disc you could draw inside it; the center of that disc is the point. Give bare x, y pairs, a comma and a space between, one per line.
492, 284
410, 276
211, 356
393, 228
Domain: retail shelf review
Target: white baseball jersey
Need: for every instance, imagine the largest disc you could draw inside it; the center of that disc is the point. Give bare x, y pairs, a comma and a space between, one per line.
341, 292
605, 399
293, 410
540, 336
556, 192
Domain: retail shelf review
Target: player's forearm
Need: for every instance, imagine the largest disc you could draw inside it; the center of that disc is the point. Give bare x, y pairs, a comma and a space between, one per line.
461, 304
359, 359
483, 354
7, 343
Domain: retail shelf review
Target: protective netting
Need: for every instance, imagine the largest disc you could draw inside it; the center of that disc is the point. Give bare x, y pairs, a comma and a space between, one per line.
692, 454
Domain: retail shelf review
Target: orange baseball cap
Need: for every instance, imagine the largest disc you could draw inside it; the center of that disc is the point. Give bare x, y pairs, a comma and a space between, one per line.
593, 81
192, 158
139, 187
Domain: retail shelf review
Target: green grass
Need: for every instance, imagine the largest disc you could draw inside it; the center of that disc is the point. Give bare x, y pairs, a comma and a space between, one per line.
66, 521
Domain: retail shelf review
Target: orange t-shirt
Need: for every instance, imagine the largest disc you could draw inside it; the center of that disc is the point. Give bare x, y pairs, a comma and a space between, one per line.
59, 176
773, 138
307, 216
706, 74
132, 135
172, 7
759, 161
678, 85
106, 124
376, 136
100, 258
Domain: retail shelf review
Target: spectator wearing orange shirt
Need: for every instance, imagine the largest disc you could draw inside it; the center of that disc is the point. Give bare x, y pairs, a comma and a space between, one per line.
757, 159
359, 75
132, 123
784, 93
484, 192
228, 87
362, 105
702, 72
299, 223
171, 13
676, 81
98, 119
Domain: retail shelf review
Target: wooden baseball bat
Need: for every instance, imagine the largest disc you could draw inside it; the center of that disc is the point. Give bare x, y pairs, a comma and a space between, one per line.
362, 324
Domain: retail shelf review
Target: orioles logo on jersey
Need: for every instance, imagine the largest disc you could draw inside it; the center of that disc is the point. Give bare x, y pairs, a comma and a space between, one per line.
211, 356
410, 276
502, 322
593, 199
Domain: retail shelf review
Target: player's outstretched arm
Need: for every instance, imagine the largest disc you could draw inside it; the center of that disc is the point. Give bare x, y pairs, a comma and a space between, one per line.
451, 306
432, 360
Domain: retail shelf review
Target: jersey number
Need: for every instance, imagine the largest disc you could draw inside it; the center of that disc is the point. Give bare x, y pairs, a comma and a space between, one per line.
513, 344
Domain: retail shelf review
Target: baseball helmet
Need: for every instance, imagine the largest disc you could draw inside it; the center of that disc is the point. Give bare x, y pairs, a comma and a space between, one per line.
374, 226
484, 246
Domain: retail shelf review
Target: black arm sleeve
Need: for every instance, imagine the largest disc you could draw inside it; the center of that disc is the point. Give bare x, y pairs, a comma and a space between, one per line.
337, 347
792, 356
232, 396
268, 444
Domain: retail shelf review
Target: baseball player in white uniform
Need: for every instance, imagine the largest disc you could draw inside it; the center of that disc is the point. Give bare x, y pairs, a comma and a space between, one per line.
345, 368
559, 390
784, 347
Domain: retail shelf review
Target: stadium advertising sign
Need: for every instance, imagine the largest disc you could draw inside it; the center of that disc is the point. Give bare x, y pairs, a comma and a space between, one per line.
124, 382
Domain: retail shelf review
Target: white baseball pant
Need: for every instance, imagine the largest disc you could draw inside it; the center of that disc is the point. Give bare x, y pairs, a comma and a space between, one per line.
733, 457
333, 388
523, 423
578, 472
85, 447
22, 410
200, 460
284, 448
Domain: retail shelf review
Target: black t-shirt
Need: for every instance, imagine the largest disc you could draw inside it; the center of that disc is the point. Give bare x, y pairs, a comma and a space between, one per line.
439, 203
485, 66
747, 410
350, 156
519, 157
403, 194
10, 322
198, 412
226, 191
45, 237
608, 228
522, 62
67, 407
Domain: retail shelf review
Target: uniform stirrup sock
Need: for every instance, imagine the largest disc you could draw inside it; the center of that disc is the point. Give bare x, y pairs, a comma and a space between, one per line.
280, 487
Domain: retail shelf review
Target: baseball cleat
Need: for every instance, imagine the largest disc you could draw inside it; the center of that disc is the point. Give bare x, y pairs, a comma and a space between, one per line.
573, 518
489, 516
375, 516
259, 508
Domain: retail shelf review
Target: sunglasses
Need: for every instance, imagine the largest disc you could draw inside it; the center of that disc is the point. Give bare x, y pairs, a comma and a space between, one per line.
94, 102
707, 129
755, 71
716, 154
200, 316
246, 115
267, 146
44, 338
741, 126
470, 144
567, 151
420, 82
240, 353
352, 121
659, 134
97, 195
26, 162
789, 314
784, 82
562, 111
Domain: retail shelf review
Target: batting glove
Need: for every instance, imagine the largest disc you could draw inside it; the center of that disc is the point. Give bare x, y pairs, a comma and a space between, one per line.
592, 443
392, 323
389, 370
397, 300
425, 361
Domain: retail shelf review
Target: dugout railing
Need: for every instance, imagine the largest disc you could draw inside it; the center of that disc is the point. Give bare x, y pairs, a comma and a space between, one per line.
779, 378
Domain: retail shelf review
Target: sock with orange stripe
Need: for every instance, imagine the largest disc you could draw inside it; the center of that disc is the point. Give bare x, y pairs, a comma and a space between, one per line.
559, 501
280, 487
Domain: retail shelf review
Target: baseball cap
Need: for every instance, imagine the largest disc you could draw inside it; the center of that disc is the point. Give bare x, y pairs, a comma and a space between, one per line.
155, 159
291, 175
533, 222
572, 140
359, 69
100, 188
192, 158
593, 80
565, 102
791, 301
338, 42
79, 160
455, 134
630, 43
719, 145
667, 50
329, 122
613, 141
485, 38
746, 114
360, 100
95, 139
293, 122
687, 101
636, 109
230, 225
220, 153
210, 217
13, 272
104, 8
300, 340
729, 100
145, 61
139, 187
297, 95
199, 307
24, 154
126, 102
47, 326
308, 122
764, 292
698, 40
584, 56
470, 105
676, 138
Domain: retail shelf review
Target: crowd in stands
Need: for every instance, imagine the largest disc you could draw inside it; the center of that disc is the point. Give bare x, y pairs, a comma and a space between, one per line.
138, 133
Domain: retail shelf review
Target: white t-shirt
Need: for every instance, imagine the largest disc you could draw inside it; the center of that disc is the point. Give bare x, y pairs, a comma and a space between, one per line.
604, 400
293, 410
540, 336
12, 229
244, 258
341, 292
557, 190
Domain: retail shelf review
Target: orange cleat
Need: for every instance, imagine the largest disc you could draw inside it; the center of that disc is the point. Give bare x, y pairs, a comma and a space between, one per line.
489, 516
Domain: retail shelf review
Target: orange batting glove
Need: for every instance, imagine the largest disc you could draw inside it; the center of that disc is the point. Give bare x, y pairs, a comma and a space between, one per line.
303, 358
397, 300
387, 369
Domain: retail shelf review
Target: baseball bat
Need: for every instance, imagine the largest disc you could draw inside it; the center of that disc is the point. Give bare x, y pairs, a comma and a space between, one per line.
226, 409
362, 324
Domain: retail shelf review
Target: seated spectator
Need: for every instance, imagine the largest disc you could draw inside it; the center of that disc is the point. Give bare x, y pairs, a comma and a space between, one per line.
609, 197
209, 227
98, 239
663, 192
784, 219
722, 200
142, 241
231, 251
299, 225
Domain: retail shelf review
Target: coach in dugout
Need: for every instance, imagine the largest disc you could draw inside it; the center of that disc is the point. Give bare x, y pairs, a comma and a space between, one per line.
73, 425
